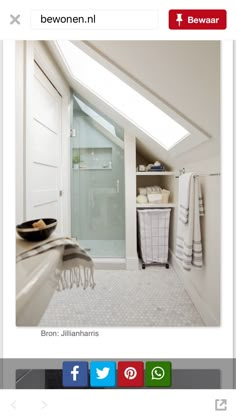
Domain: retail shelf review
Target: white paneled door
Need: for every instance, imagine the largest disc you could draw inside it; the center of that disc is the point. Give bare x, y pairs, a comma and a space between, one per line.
43, 151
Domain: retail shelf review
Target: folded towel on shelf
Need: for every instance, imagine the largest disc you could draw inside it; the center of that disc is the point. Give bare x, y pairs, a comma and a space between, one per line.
154, 198
154, 189
149, 190
141, 199
157, 167
188, 241
77, 267
184, 196
142, 191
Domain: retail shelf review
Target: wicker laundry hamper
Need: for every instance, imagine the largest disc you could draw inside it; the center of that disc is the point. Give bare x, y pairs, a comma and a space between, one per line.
153, 236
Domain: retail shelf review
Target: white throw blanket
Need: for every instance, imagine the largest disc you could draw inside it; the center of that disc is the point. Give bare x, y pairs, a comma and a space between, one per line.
77, 266
188, 241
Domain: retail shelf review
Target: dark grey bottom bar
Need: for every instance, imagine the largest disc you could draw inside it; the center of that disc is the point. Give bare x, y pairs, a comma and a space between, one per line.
196, 379
181, 379
186, 373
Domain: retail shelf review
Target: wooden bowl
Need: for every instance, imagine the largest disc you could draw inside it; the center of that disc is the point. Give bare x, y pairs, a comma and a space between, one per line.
29, 233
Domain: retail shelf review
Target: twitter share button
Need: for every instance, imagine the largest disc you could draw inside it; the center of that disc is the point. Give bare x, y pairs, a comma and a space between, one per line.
103, 374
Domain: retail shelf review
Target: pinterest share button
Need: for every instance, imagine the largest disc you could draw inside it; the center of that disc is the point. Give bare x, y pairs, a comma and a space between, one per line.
197, 19
130, 374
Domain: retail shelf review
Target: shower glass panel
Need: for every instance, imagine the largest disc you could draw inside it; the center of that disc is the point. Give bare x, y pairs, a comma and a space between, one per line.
97, 179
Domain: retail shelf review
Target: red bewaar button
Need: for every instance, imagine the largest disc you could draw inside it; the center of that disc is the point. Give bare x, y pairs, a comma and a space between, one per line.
197, 19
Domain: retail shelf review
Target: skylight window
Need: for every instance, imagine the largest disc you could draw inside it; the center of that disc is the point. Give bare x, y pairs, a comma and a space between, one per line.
120, 96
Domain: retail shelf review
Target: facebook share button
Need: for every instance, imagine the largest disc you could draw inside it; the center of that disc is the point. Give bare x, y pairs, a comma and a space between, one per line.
75, 374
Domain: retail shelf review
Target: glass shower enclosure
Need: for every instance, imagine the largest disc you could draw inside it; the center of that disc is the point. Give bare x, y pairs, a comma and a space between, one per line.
97, 182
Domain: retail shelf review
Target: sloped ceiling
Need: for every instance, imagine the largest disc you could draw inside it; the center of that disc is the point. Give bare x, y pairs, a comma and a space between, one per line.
183, 74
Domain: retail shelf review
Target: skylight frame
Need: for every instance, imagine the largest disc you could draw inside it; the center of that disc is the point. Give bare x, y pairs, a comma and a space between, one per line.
142, 104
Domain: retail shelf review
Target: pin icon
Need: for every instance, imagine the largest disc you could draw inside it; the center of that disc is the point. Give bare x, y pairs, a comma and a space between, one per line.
179, 18
157, 373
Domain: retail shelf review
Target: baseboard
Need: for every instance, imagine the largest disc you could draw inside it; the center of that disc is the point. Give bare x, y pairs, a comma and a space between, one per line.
206, 315
109, 263
132, 263
116, 263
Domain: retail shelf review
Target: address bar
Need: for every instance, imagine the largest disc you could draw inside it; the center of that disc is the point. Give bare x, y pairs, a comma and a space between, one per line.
95, 19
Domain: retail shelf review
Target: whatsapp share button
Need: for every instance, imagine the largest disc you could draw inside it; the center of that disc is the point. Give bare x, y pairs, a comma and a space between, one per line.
158, 374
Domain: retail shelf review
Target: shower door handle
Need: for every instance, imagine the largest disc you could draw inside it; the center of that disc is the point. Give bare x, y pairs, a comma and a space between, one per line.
117, 185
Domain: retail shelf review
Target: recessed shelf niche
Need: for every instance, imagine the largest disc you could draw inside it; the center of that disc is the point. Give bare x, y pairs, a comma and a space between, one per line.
92, 158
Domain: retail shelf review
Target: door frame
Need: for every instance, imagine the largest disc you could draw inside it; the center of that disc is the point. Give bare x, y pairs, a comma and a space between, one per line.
37, 51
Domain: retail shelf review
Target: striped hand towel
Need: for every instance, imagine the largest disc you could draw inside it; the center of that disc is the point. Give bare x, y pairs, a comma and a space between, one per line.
184, 192
188, 241
77, 267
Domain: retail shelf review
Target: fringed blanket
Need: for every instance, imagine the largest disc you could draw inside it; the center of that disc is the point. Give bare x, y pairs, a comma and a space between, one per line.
77, 266
188, 241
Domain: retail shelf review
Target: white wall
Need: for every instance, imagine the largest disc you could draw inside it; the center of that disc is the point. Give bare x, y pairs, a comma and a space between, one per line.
130, 202
20, 130
204, 285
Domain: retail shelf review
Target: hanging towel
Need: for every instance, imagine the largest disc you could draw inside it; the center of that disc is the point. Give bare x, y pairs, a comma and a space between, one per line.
197, 212
184, 191
188, 241
77, 267
197, 185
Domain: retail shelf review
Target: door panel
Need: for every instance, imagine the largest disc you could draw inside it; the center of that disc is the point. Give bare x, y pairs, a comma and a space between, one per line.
45, 177
46, 105
43, 182
45, 148
41, 197
50, 209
